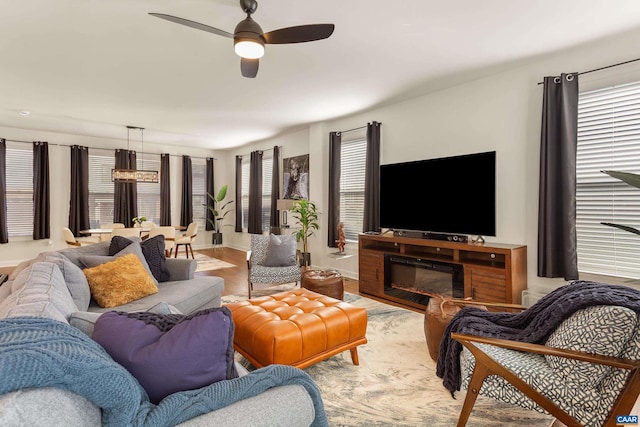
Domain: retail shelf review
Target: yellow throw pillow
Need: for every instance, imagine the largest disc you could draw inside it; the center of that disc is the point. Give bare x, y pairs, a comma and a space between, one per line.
120, 281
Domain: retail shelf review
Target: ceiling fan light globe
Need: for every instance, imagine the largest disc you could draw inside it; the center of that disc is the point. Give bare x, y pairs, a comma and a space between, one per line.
249, 49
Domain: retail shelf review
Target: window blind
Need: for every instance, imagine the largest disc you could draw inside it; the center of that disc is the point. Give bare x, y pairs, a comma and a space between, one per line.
608, 139
267, 170
100, 187
148, 192
245, 193
19, 192
199, 191
352, 173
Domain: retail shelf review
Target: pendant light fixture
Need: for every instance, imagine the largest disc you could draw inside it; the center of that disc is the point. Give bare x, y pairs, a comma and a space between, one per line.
135, 175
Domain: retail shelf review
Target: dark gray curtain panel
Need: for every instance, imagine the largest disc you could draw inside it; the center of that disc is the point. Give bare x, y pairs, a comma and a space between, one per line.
79, 198
333, 207
4, 228
238, 228
255, 193
186, 205
125, 194
41, 192
211, 190
557, 243
165, 189
371, 220
274, 221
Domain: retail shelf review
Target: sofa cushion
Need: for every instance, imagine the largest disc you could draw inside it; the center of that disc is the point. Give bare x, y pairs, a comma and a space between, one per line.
281, 251
173, 352
74, 278
187, 296
86, 320
74, 254
583, 331
120, 281
39, 290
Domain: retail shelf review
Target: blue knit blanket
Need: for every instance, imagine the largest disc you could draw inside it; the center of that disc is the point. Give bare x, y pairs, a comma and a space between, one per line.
39, 352
533, 325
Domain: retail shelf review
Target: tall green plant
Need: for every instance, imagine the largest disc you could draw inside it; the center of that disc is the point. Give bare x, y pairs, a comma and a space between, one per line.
218, 209
306, 215
628, 178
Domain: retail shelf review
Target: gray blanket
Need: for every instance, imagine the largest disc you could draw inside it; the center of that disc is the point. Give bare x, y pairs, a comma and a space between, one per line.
533, 325
40, 352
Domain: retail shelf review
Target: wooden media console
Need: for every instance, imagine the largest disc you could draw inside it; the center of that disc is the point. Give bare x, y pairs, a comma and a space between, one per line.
492, 272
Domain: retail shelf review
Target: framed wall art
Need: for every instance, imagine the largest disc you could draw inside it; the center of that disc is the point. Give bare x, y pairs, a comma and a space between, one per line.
296, 177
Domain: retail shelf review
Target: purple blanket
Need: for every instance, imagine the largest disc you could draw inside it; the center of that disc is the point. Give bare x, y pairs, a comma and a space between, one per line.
533, 325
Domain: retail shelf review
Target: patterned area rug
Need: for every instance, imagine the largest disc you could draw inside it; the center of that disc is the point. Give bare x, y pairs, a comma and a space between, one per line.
206, 263
395, 383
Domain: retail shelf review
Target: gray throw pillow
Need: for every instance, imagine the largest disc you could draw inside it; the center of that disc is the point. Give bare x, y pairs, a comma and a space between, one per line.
281, 251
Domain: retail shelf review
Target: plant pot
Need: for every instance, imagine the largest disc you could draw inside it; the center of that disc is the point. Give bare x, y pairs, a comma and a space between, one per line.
305, 259
216, 238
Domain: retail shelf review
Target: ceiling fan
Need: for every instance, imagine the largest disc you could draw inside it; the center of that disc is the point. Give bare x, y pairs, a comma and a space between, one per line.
249, 40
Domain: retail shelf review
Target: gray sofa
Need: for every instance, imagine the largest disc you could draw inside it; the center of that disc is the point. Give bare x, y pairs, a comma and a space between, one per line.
49, 287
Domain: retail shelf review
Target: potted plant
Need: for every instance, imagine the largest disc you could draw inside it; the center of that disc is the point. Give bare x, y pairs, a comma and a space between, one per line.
137, 221
219, 210
306, 215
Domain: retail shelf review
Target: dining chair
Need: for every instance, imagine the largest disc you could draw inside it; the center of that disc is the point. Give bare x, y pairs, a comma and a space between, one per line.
109, 226
72, 240
126, 232
186, 239
169, 233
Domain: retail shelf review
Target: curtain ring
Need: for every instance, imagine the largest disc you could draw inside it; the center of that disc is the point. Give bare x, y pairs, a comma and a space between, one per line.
556, 80
569, 77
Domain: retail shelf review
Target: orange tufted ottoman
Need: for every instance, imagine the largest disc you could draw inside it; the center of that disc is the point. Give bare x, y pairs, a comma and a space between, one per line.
297, 328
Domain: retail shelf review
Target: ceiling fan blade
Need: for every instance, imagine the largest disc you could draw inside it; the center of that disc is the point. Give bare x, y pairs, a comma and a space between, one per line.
249, 67
299, 34
192, 24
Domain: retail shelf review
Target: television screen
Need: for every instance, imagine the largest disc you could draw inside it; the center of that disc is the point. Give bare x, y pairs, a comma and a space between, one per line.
446, 195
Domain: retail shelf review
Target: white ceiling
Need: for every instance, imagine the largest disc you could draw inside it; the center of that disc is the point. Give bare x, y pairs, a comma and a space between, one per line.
91, 67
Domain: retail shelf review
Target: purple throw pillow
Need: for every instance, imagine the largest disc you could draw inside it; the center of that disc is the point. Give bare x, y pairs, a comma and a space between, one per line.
168, 353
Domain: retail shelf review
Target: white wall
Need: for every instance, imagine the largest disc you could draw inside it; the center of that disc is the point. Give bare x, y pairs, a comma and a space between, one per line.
21, 248
500, 112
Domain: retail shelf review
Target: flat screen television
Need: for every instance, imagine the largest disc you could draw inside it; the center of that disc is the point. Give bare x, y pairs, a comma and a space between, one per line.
454, 195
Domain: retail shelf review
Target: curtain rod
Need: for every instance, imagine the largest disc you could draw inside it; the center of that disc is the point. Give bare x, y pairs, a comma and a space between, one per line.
351, 130
243, 155
604, 68
67, 145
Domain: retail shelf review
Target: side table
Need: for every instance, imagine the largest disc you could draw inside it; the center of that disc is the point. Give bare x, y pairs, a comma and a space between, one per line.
326, 282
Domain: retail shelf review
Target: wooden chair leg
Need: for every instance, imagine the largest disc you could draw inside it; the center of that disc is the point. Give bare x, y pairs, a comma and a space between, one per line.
191, 247
177, 250
480, 372
354, 356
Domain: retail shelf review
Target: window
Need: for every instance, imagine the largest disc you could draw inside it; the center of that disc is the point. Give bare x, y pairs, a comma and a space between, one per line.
149, 193
245, 192
101, 188
199, 191
19, 192
608, 139
267, 170
352, 171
